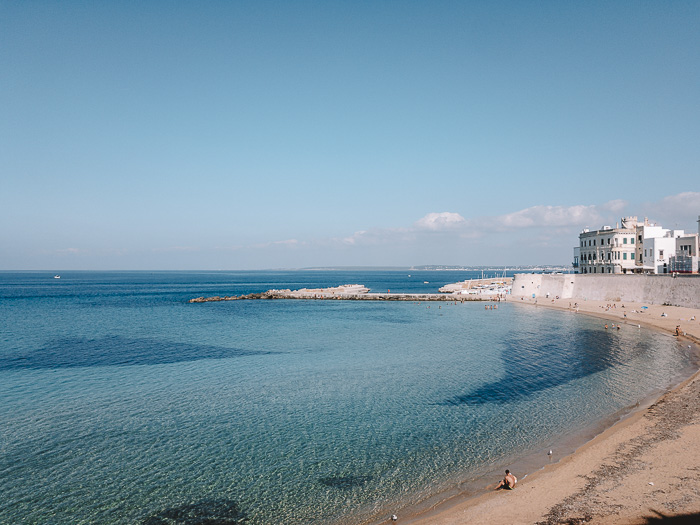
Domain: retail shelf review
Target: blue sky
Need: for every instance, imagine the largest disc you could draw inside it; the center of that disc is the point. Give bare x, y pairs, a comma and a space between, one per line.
245, 135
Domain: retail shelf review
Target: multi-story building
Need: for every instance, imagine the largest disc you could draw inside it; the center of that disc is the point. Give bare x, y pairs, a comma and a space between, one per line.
608, 250
687, 256
637, 247
658, 252
645, 231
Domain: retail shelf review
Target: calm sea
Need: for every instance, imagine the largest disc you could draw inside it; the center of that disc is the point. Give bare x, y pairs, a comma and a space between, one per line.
122, 403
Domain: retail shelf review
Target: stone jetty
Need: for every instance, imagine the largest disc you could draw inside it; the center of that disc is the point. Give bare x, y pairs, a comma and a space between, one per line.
352, 292
490, 286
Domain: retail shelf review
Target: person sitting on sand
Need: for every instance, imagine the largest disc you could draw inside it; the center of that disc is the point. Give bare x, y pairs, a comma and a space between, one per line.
507, 483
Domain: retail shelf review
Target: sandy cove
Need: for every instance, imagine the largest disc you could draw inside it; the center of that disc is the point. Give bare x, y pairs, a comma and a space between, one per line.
645, 469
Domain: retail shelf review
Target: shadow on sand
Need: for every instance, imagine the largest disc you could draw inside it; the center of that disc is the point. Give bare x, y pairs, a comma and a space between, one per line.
682, 519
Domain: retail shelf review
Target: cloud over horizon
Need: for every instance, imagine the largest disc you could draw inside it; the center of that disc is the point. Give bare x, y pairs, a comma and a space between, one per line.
549, 224
536, 234
440, 221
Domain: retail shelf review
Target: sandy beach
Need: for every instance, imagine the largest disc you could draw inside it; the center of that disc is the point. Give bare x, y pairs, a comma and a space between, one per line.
644, 469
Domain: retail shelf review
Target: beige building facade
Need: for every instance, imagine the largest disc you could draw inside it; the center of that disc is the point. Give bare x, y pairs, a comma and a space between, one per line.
635, 246
608, 250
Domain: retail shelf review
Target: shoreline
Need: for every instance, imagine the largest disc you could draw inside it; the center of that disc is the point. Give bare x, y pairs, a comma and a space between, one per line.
644, 465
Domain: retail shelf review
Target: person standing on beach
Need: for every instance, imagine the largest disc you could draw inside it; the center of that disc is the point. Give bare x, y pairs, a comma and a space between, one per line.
508, 482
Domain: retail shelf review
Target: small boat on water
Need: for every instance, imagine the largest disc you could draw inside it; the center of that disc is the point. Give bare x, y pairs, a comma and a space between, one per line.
56, 276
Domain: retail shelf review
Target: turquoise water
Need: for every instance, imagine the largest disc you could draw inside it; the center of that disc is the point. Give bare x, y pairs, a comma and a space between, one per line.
122, 403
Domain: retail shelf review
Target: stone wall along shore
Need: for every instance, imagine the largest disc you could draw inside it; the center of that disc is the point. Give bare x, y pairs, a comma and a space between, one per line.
682, 290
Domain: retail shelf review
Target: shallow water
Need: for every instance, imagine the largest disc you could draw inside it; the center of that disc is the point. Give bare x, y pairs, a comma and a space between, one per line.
121, 403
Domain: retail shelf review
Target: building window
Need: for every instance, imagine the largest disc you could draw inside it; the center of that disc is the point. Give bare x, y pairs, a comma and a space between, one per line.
631, 240
661, 255
593, 242
608, 241
624, 241
632, 256
624, 256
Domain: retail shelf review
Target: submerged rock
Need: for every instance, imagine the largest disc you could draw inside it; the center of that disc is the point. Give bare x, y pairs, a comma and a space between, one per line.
344, 482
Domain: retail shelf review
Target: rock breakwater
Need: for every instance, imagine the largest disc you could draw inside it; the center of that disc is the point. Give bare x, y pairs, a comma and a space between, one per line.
354, 292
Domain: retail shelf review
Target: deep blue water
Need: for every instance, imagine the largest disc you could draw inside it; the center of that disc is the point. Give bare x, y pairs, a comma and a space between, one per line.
122, 403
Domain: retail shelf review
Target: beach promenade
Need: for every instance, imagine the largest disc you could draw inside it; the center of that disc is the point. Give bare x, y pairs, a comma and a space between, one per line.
645, 469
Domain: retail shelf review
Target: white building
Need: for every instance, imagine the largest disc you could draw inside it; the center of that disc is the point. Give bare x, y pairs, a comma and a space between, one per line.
645, 231
658, 252
608, 250
687, 256
637, 247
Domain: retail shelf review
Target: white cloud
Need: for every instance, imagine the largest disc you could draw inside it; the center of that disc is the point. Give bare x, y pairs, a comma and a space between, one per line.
288, 242
355, 237
440, 221
547, 216
614, 206
577, 216
377, 236
679, 210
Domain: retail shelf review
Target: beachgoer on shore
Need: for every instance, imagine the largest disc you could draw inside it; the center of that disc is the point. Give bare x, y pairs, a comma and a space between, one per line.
508, 482
678, 329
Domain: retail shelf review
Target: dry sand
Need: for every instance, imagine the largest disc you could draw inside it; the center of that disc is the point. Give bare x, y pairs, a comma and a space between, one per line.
643, 470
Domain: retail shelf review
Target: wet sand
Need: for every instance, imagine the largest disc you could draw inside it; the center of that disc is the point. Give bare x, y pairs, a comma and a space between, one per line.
642, 469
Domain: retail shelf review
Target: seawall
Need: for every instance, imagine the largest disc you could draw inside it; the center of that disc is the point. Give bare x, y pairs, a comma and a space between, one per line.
683, 290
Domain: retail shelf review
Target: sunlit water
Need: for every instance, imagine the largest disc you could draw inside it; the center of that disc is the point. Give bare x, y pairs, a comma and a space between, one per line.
122, 403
